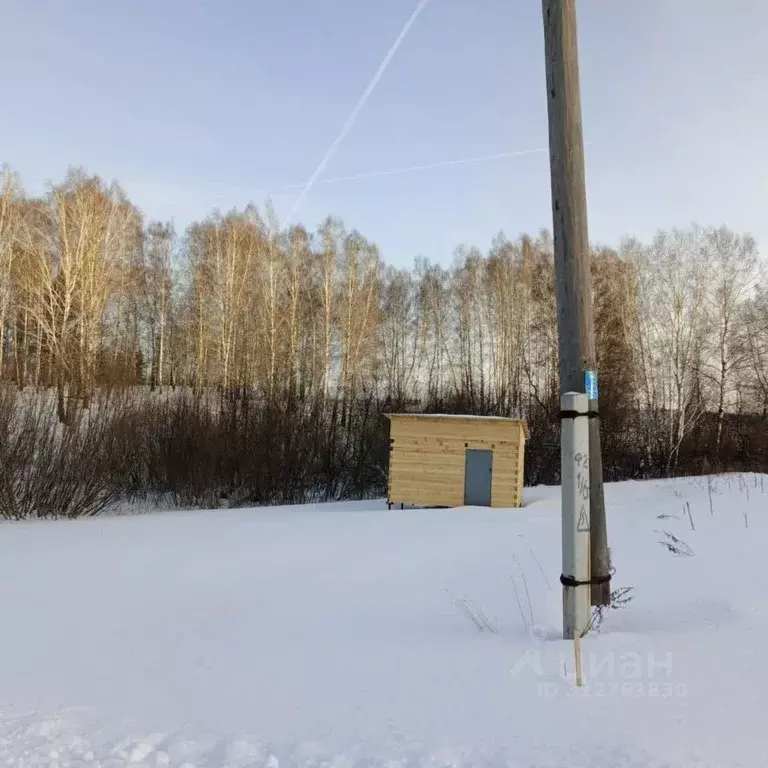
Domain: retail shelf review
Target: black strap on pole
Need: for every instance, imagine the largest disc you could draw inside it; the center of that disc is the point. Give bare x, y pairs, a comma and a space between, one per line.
569, 581
577, 414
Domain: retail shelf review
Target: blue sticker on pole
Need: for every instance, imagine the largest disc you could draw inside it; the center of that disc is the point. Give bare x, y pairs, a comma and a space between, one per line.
590, 384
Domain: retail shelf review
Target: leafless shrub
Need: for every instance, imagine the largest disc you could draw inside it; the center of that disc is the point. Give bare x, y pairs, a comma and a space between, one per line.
675, 545
202, 449
49, 470
475, 614
620, 598
527, 597
690, 516
536, 560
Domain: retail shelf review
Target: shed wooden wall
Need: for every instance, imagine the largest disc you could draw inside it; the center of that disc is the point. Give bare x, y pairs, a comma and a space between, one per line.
427, 458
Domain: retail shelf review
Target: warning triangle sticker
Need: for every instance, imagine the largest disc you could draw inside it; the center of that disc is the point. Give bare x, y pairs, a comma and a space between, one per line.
583, 525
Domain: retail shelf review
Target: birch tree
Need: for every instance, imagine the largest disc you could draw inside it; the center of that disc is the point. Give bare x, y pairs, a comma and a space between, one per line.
399, 341
9, 244
158, 294
733, 264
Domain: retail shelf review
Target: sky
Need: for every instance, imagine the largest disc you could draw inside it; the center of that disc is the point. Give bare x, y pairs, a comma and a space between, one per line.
194, 105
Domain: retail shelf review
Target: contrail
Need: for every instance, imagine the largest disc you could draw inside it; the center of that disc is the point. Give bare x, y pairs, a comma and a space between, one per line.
388, 171
356, 111
397, 171
426, 167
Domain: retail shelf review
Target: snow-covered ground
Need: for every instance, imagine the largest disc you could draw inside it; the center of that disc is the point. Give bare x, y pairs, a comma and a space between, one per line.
346, 634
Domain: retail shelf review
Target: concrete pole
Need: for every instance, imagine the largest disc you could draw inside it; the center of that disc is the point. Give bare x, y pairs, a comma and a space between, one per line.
574, 457
572, 257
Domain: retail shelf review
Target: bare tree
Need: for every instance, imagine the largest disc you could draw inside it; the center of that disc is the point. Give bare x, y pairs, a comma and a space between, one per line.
733, 263
9, 235
358, 309
331, 236
158, 294
399, 343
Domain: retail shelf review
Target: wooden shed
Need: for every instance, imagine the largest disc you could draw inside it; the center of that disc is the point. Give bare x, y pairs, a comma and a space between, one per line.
449, 461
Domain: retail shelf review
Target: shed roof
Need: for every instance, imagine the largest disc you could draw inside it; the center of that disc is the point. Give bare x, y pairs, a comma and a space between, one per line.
459, 417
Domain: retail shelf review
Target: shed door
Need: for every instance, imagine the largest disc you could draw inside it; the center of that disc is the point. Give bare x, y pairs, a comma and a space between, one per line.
478, 472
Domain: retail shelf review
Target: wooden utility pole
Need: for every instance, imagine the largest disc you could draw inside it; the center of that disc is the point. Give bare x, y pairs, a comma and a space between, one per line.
572, 257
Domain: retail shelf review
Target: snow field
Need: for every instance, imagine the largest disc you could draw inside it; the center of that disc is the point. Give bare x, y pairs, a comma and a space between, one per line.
348, 635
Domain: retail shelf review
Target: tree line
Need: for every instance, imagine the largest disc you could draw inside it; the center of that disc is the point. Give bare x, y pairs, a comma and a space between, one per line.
302, 324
